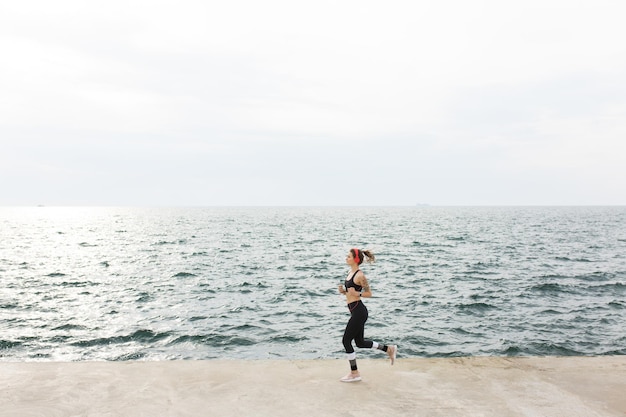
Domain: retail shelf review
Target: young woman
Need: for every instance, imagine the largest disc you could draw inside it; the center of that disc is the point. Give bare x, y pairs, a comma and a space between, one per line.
356, 287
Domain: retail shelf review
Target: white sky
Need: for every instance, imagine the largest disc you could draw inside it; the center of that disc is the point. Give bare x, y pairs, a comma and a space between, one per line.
312, 102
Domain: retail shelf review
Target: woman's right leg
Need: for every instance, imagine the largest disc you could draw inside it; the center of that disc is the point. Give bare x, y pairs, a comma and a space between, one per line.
349, 334
354, 330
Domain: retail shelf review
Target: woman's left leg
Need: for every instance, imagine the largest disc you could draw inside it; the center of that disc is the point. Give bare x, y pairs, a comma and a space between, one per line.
360, 341
368, 344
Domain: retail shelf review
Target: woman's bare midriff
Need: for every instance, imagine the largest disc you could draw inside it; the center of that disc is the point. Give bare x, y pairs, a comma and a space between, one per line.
352, 298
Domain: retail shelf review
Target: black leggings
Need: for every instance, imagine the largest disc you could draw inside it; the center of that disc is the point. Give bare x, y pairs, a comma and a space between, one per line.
355, 329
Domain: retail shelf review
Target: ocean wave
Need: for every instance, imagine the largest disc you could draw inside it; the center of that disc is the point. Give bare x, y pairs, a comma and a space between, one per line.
466, 332
519, 348
258, 285
597, 276
419, 244
65, 327
289, 338
132, 356
608, 289
550, 311
8, 344
475, 307
183, 275
78, 284
144, 297
552, 288
550, 349
172, 242
141, 336
612, 287
214, 339
566, 259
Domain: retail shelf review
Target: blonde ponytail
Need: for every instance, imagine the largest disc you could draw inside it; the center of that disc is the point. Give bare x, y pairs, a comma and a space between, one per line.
369, 255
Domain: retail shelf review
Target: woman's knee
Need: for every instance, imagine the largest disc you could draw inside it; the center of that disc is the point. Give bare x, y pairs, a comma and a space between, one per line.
347, 344
363, 344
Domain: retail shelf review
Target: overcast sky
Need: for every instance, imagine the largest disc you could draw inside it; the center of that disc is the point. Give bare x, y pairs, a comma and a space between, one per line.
312, 102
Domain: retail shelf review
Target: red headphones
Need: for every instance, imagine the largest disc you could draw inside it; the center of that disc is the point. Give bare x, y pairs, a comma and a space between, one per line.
357, 258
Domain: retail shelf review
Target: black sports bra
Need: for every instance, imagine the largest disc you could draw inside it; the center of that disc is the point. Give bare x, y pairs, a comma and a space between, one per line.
350, 282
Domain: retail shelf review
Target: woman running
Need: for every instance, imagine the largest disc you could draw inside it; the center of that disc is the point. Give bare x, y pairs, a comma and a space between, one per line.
355, 287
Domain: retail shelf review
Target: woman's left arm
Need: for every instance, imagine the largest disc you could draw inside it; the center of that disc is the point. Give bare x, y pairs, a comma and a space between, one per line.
366, 291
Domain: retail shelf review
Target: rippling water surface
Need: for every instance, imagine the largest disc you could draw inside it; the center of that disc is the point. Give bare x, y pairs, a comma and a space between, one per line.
255, 283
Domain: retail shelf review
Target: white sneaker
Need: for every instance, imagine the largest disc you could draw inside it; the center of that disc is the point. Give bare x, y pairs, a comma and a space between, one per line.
351, 378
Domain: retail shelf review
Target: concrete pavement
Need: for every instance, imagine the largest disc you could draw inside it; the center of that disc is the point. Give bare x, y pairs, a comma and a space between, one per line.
477, 386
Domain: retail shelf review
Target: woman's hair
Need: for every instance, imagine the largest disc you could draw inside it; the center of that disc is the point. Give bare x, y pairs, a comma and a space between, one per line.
360, 254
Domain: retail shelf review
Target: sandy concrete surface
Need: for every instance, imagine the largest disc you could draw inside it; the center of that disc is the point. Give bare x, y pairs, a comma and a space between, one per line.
478, 386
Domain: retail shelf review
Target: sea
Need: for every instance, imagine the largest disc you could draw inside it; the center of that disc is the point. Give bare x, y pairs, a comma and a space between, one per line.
121, 283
